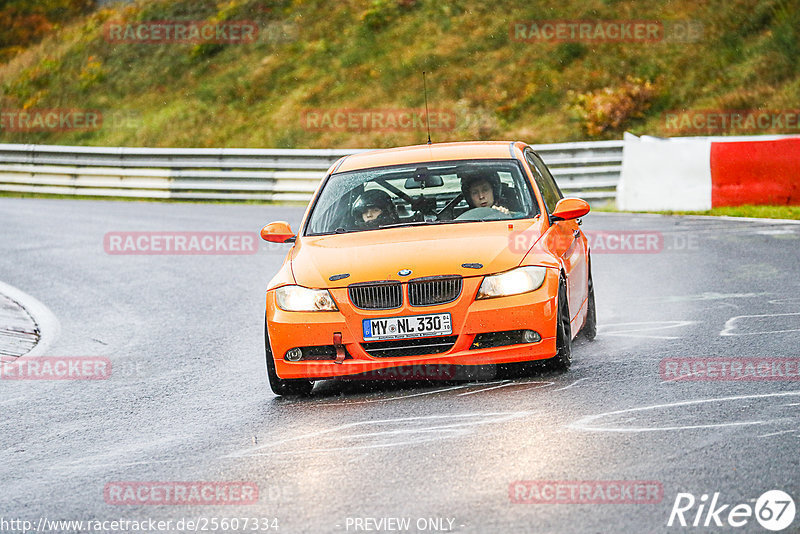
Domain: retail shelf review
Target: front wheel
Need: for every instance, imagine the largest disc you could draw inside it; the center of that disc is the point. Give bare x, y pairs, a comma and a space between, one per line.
280, 386
563, 358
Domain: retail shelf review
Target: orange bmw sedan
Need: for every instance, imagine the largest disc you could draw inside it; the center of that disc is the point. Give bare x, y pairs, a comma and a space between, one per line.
451, 254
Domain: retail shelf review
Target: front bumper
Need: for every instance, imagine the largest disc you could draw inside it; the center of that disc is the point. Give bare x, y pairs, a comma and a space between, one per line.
531, 311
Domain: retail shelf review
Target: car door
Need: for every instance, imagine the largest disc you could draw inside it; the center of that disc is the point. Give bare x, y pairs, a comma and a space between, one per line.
564, 237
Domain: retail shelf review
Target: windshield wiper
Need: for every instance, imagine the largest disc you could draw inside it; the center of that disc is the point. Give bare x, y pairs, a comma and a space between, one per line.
415, 223
339, 230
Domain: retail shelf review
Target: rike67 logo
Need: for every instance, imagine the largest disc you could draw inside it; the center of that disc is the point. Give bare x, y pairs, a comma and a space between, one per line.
774, 510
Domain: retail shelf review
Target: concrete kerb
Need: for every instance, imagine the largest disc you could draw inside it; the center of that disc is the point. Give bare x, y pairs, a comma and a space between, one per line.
48, 326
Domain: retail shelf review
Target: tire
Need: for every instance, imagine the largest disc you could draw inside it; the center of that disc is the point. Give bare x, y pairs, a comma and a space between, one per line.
589, 330
289, 387
563, 358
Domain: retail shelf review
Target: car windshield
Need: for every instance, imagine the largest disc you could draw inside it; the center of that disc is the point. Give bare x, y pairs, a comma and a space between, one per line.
421, 194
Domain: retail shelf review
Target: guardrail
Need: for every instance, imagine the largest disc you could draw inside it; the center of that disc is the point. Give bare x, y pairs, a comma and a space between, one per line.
587, 169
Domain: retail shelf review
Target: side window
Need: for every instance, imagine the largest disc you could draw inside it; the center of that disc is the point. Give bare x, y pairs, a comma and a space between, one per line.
547, 185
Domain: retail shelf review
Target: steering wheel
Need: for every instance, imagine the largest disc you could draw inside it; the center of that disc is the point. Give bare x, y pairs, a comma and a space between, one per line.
481, 214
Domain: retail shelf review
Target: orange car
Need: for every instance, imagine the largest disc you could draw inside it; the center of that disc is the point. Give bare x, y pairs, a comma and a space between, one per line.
452, 254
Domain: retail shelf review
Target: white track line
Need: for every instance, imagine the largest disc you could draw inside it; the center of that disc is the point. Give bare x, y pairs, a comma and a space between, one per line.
485, 418
729, 325
508, 383
779, 433
534, 385
642, 326
573, 384
585, 423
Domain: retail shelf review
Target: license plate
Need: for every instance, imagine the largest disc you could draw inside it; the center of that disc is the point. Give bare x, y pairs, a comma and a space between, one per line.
410, 326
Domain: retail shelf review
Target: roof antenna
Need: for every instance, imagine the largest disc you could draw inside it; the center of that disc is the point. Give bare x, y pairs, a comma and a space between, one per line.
427, 117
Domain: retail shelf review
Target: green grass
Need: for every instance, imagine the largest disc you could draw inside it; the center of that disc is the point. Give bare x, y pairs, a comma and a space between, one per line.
371, 54
760, 212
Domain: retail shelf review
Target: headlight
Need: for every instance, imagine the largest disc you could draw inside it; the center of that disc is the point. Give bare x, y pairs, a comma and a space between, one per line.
515, 282
298, 298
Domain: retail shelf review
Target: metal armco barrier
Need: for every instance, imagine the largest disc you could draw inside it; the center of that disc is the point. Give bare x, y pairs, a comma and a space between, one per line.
590, 170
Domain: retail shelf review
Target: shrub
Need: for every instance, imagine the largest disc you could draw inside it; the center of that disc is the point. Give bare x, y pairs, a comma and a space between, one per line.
609, 109
382, 12
23, 22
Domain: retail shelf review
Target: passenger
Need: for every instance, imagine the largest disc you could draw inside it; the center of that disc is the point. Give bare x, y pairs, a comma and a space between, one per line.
482, 191
374, 208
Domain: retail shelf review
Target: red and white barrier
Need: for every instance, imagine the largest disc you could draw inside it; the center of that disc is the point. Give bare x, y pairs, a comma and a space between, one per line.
698, 173
755, 172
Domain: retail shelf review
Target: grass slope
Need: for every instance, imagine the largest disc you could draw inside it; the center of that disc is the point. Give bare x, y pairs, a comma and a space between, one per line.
369, 54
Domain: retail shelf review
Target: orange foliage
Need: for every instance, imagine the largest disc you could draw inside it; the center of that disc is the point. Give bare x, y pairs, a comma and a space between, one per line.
609, 109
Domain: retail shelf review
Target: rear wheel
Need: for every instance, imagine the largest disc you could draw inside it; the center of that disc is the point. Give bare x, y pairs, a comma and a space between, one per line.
563, 358
589, 330
279, 385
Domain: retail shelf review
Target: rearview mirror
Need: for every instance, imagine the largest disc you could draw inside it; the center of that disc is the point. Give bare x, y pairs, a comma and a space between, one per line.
278, 232
422, 178
569, 208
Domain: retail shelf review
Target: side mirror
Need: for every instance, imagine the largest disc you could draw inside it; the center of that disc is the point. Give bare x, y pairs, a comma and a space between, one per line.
569, 208
278, 232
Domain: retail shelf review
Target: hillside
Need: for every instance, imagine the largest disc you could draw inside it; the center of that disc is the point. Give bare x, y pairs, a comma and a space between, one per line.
311, 59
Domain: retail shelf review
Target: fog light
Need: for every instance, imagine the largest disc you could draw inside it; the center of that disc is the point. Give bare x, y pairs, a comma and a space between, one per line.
294, 355
529, 336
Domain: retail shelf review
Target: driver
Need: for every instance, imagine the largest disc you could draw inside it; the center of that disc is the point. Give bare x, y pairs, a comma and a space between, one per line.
374, 208
482, 191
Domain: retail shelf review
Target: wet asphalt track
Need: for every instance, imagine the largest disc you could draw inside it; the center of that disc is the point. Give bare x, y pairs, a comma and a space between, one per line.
188, 399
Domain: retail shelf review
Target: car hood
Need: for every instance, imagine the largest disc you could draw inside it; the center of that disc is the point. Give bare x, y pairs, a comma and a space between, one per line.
425, 250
